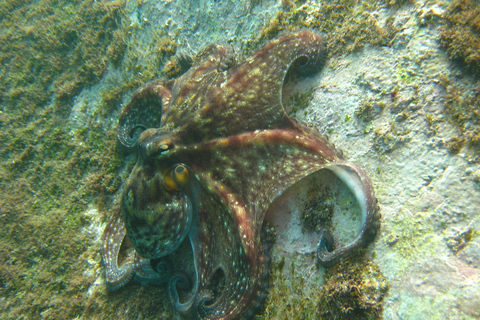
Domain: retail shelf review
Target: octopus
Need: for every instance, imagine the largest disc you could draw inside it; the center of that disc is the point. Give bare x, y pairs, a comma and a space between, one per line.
215, 148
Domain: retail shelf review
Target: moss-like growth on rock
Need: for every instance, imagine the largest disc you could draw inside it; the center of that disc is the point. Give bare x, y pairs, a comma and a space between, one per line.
350, 25
318, 208
460, 34
462, 106
388, 137
50, 172
353, 290
52, 169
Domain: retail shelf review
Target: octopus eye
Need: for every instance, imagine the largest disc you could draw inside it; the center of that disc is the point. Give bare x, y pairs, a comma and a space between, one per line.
164, 146
159, 148
177, 178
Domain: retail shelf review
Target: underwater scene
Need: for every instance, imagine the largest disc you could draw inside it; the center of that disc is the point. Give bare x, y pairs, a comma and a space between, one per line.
250, 159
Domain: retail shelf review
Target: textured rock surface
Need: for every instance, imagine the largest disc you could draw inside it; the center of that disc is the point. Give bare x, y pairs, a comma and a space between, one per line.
428, 196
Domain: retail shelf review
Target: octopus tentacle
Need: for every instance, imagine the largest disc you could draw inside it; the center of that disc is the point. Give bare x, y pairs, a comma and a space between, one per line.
360, 185
297, 52
288, 153
114, 235
190, 90
230, 274
228, 267
188, 185
214, 57
182, 280
144, 111
145, 274
296, 156
326, 242
231, 104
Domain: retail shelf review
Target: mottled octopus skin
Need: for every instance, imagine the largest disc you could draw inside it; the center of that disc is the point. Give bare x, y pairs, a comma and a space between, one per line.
215, 149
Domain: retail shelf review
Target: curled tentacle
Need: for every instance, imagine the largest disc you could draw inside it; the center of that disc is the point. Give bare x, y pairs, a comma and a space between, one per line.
146, 274
360, 185
326, 243
163, 266
182, 281
114, 235
204, 297
144, 111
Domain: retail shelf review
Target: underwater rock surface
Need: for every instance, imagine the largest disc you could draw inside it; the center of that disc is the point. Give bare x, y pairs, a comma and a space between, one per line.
389, 96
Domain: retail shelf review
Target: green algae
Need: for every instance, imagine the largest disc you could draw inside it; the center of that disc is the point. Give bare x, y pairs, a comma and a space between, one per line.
350, 25
460, 37
139, 67
462, 105
368, 109
318, 208
353, 289
388, 137
299, 101
51, 172
460, 34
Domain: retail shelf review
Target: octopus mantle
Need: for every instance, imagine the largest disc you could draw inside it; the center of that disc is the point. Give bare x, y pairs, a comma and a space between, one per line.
215, 149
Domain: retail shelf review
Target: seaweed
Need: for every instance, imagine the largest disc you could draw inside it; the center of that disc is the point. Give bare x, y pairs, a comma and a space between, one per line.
51, 171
